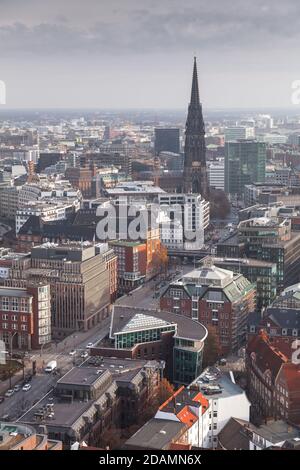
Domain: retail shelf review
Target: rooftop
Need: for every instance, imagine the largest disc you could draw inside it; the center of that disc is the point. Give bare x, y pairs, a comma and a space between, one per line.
186, 327
213, 383
81, 376
13, 292
156, 434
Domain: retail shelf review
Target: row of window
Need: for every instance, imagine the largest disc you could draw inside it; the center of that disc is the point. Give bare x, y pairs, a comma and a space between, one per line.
14, 326
5, 316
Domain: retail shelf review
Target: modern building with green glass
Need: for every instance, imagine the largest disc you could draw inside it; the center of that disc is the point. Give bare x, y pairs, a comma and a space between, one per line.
262, 273
175, 340
245, 163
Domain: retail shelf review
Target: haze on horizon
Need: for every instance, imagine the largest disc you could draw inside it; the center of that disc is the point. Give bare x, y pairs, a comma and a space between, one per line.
139, 54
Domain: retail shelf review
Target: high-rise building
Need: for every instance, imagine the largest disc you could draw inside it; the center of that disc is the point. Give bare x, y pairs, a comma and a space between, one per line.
166, 140
216, 174
183, 216
194, 174
245, 163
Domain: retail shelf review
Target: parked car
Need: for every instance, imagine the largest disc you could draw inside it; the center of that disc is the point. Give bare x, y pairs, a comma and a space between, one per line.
72, 353
84, 355
9, 393
26, 387
89, 345
1, 399
17, 388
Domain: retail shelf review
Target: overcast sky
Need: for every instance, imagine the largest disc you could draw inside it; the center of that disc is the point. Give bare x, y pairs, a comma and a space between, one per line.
139, 53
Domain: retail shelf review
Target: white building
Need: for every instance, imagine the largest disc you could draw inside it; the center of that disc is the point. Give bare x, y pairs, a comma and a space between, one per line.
273, 139
181, 217
48, 190
216, 174
203, 409
48, 211
239, 132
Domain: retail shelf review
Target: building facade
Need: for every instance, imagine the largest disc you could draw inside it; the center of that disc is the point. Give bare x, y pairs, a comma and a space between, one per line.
79, 280
25, 316
146, 334
245, 163
219, 299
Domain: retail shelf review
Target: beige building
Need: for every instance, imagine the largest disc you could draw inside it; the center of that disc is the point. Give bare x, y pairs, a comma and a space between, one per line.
79, 280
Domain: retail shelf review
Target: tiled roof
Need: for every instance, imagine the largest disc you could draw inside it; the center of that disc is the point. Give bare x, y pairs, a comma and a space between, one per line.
291, 373
267, 356
187, 417
201, 399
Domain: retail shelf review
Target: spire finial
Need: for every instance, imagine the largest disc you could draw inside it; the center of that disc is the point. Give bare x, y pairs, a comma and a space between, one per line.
195, 87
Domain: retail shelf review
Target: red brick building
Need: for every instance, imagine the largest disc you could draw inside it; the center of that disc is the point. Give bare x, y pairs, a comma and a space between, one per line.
280, 324
273, 381
132, 263
25, 316
218, 298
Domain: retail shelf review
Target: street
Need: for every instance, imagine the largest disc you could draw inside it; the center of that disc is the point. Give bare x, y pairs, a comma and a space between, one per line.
42, 383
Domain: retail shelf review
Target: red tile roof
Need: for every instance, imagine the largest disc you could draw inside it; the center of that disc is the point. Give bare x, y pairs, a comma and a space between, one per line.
201, 399
187, 417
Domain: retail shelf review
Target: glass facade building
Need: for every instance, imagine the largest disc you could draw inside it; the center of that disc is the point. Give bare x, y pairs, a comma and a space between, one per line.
245, 163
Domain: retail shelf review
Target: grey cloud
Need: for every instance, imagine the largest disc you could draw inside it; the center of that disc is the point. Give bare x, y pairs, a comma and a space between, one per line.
220, 24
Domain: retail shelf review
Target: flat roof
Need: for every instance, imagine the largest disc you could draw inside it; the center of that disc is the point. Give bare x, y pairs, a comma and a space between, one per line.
277, 431
65, 413
218, 378
81, 376
156, 434
13, 292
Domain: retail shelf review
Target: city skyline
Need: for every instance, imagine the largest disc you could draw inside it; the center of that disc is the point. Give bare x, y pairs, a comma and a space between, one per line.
123, 55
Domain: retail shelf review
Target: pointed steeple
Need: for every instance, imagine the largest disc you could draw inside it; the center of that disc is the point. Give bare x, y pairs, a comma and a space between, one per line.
195, 88
195, 176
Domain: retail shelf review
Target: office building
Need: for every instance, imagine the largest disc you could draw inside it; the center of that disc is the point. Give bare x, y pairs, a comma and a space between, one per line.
273, 240
138, 333
166, 140
218, 298
25, 316
216, 174
239, 132
245, 163
259, 272
79, 280
182, 216
89, 401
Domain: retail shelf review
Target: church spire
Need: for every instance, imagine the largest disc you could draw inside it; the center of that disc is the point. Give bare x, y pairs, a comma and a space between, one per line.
194, 175
195, 88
